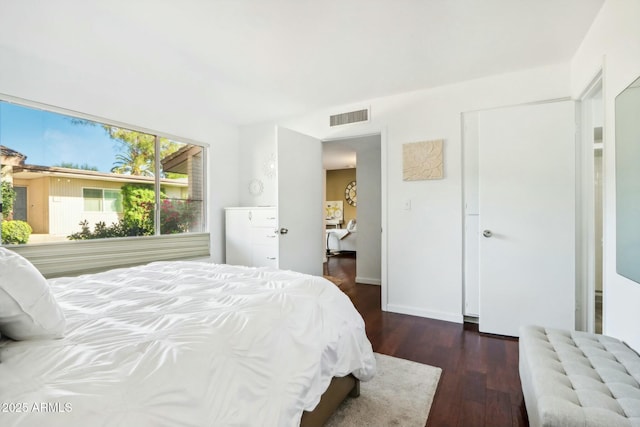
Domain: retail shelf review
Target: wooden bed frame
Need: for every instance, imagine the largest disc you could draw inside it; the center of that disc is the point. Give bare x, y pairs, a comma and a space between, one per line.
339, 387
338, 390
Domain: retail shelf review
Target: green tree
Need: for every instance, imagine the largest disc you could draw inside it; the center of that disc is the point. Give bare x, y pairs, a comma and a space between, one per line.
135, 150
8, 198
135, 155
138, 201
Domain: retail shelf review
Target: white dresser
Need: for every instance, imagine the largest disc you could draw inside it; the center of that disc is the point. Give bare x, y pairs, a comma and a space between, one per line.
251, 236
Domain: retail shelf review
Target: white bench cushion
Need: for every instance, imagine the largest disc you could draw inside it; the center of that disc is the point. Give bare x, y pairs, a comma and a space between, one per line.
572, 378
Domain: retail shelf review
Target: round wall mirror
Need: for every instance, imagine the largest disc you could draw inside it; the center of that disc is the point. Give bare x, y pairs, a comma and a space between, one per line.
351, 193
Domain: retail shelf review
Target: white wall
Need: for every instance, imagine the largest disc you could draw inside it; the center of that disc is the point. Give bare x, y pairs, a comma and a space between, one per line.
223, 182
368, 177
28, 76
424, 275
613, 44
257, 148
369, 213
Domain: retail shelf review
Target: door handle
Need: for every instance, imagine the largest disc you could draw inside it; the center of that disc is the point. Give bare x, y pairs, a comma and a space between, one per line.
487, 233
284, 230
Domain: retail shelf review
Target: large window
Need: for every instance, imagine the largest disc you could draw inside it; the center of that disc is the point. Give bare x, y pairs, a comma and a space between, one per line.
69, 178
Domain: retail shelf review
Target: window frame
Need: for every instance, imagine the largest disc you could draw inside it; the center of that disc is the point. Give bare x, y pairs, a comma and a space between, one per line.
104, 200
107, 202
62, 248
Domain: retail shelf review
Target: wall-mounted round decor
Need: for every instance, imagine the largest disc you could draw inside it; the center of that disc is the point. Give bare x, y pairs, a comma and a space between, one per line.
269, 166
351, 193
255, 187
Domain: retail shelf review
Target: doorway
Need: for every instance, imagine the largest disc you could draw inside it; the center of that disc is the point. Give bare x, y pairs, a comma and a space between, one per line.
591, 294
353, 180
519, 169
20, 204
597, 238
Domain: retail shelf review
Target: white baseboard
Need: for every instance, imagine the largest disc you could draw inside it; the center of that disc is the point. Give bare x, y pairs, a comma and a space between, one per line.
368, 281
414, 311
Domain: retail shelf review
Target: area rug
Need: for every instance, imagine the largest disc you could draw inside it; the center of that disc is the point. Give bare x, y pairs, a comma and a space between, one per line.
400, 394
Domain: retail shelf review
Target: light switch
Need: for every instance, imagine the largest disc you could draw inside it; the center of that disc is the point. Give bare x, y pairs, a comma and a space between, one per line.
407, 205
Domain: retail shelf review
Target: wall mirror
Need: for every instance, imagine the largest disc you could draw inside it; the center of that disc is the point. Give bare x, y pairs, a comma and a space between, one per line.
628, 182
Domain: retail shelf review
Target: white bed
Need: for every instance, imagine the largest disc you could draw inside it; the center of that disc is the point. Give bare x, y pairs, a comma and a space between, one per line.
339, 240
184, 344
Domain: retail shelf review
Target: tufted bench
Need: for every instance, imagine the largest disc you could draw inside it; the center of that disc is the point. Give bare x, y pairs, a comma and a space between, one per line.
578, 379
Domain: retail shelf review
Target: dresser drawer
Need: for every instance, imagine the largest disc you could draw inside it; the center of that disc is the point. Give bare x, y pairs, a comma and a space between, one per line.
264, 236
265, 256
264, 218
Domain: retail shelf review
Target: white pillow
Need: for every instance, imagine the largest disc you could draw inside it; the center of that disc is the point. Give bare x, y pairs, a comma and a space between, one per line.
28, 310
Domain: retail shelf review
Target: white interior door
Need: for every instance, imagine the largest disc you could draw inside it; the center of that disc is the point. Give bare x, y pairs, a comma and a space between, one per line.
300, 208
527, 210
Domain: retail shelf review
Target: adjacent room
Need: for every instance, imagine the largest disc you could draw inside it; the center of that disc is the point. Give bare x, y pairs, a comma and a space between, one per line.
285, 213
352, 203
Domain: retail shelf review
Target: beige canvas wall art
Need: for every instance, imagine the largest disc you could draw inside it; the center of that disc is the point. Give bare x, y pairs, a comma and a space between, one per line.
422, 160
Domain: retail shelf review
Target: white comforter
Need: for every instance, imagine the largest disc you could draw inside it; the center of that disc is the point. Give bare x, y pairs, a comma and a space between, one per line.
185, 344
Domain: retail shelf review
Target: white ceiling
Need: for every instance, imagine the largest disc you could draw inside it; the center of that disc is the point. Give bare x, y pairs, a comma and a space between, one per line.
248, 61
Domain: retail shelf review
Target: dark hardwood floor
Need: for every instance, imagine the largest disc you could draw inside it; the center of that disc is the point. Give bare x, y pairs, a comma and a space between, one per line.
479, 386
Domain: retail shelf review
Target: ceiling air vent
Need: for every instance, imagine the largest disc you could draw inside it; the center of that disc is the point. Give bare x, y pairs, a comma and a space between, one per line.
350, 117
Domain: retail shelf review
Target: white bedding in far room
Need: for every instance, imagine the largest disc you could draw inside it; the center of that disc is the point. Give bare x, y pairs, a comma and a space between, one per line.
185, 344
339, 240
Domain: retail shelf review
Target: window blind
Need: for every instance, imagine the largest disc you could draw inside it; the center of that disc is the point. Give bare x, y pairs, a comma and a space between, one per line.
90, 256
